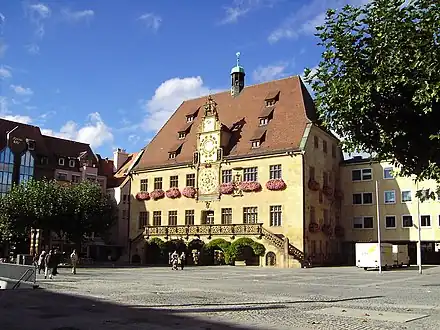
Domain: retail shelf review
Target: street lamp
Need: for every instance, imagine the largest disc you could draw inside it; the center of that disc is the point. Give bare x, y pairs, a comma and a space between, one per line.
419, 233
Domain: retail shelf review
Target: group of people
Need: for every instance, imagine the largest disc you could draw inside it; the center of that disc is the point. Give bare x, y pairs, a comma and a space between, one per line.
49, 261
176, 260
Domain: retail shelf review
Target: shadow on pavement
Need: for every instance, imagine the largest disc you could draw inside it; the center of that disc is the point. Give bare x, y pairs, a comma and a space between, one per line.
41, 309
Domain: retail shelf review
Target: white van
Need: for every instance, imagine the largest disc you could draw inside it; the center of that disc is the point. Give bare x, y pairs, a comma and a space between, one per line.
367, 255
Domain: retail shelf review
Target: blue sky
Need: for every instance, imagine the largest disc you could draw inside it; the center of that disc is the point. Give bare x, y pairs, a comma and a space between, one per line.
110, 73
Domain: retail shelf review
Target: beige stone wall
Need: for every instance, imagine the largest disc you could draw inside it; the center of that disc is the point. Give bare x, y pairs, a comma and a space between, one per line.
329, 162
398, 209
290, 199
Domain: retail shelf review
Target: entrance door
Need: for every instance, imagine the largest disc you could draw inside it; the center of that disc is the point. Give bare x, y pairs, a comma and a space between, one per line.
208, 217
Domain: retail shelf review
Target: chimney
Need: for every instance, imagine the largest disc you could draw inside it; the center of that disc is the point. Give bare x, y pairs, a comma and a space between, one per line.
120, 156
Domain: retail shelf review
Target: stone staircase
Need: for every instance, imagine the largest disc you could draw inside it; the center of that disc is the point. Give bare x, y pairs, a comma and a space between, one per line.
279, 243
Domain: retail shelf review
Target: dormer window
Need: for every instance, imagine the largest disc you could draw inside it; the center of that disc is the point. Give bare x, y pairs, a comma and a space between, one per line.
182, 135
258, 137
256, 144
61, 161
264, 121
189, 119
272, 98
175, 151
190, 116
30, 144
72, 163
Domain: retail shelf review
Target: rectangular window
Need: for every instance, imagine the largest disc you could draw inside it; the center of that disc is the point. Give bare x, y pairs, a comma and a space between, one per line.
71, 163
157, 183
250, 174
226, 176
407, 221
390, 196
362, 198
172, 218
144, 185
275, 172
325, 179
174, 181
312, 214
311, 173
189, 217
364, 174
316, 142
363, 222
388, 173
62, 176
227, 216
324, 146
390, 221
250, 215
191, 180
406, 196
157, 218
76, 178
275, 216
425, 221
333, 150
143, 219
61, 161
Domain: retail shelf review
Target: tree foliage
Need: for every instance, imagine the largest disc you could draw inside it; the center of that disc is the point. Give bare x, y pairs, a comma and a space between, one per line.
378, 82
73, 210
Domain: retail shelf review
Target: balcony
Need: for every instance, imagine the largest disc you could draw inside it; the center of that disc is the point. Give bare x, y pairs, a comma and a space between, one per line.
204, 230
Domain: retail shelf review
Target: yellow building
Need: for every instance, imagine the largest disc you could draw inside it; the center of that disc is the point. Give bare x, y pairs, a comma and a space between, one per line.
251, 162
399, 209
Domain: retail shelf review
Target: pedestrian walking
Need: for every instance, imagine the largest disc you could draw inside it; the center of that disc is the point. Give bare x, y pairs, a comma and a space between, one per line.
174, 260
182, 260
74, 261
50, 264
41, 263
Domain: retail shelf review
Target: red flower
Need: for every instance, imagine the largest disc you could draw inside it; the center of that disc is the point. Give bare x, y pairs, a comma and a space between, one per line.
227, 188
249, 186
157, 194
189, 192
276, 184
173, 193
142, 196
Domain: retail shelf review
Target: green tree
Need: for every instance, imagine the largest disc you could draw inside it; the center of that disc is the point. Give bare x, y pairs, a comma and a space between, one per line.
378, 82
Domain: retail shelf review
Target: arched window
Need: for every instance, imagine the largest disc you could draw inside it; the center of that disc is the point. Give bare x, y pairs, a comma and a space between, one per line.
6, 170
26, 167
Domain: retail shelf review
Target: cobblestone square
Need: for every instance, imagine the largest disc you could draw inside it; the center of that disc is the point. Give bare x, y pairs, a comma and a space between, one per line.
227, 297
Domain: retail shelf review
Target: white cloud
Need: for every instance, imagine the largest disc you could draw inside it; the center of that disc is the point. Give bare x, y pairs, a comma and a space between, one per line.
20, 90
79, 15
95, 132
2, 22
305, 19
239, 8
5, 73
167, 98
270, 72
33, 49
37, 14
151, 20
133, 138
17, 118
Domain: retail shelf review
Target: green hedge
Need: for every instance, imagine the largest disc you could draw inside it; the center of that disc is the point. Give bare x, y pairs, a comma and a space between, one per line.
238, 248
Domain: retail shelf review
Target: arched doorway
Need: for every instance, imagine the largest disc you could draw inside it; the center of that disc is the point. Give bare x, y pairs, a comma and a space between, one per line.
271, 259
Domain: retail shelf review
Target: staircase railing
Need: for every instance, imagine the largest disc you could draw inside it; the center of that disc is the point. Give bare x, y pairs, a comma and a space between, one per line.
279, 242
17, 284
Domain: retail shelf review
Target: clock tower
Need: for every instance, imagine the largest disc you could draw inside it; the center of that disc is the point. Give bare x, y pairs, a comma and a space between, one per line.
210, 153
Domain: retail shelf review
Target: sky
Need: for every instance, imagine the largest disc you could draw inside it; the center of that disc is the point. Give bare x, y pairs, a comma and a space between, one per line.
110, 73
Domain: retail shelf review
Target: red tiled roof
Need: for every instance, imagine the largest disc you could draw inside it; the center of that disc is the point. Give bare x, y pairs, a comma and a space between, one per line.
294, 110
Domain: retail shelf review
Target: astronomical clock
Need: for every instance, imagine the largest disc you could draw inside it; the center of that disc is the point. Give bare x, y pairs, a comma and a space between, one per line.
209, 152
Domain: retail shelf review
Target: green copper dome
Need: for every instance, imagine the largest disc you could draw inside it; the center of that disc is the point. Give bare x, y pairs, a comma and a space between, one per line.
237, 69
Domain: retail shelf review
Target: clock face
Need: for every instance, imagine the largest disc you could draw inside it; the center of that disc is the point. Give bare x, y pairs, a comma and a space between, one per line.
208, 124
209, 145
208, 181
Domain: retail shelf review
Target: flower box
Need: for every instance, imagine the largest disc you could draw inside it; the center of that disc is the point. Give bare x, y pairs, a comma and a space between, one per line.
313, 227
339, 231
327, 229
189, 192
173, 193
227, 188
142, 196
275, 184
157, 194
250, 186
328, 191
313, 185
